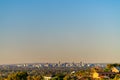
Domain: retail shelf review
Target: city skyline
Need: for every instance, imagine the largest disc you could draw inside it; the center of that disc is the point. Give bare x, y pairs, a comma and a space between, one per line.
59, 30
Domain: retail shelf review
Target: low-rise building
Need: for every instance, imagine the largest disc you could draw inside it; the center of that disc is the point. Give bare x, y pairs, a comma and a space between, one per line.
47, 78
103, 74
115, 69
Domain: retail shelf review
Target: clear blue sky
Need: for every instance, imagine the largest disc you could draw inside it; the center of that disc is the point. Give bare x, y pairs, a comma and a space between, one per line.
59, 30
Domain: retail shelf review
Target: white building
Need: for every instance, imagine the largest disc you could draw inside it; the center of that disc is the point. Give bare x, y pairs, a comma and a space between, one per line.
47, 78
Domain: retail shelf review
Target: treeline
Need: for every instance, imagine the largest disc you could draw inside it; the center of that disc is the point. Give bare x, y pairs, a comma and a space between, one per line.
22, 76
26, 76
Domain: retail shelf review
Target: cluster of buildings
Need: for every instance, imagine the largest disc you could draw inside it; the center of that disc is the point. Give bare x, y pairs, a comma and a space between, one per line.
39, 65
94, 75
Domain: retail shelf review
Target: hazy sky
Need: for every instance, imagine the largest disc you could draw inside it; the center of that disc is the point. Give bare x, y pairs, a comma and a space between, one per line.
59, 30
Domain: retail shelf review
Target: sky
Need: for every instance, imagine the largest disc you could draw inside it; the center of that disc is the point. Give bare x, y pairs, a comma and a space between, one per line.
59, 30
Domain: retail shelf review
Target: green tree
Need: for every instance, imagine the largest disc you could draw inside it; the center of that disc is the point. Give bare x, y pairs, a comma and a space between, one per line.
117, 77
67, 77
29, 78
107, 70
37, 78
18, 76
59, 76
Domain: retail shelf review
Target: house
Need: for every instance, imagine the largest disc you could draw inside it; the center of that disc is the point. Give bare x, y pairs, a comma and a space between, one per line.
103, 74
115, 69
47, 78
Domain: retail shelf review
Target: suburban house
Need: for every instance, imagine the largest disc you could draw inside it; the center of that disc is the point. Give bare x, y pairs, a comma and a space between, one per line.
103, 74
115, 69
47, 78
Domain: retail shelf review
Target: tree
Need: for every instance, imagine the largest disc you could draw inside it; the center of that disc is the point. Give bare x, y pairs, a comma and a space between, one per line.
59, 76
18, 76
37, 78
107, 70
29, 78
117, 77
67, 77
